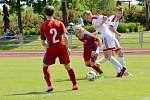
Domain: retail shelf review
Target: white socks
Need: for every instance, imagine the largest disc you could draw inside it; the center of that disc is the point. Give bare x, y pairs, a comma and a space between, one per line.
122, 61
116, 64
102, 60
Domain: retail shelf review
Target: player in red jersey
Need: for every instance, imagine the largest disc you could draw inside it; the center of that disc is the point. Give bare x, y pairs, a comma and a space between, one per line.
91, 48
54, 39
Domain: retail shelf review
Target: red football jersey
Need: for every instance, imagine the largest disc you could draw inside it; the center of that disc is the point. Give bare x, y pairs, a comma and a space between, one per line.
51, 31
88, 38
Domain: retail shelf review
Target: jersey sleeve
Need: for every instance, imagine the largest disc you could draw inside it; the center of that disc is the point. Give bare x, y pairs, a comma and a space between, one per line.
63, 29
111, 22
42, 35
97, 22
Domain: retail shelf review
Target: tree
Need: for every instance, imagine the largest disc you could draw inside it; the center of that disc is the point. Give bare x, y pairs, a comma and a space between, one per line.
64, 12
6, 17
147, 3
19, 17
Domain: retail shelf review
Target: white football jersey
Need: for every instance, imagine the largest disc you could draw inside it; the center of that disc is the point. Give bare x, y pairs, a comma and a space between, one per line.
103, 29
113, 21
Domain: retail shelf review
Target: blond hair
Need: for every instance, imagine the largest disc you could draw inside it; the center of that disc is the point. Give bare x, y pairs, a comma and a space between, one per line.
78, 29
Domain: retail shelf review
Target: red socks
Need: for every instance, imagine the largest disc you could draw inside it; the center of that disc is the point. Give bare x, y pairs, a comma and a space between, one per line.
97, 68
47, 76
72, 76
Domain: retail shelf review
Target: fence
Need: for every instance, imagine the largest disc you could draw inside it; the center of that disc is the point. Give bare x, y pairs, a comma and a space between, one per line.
127, 40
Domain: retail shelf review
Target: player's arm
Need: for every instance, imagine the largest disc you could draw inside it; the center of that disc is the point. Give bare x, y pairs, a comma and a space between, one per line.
65, 37
43, 38
104, 19
114, 31
100, 21
99, 46
43, 43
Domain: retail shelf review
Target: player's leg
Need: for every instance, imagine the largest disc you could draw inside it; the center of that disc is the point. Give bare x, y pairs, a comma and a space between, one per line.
87, 58
101, 60
119, 52
108, 56
49, 59
64, 59
122, 62
109, 44
93, 60
47, 78
93, 63
121, 57
72, 76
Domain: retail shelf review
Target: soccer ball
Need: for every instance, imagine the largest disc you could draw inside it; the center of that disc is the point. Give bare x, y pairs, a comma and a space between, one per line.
91, 75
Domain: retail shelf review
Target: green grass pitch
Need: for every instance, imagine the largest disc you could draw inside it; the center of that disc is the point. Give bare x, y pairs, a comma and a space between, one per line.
22, 79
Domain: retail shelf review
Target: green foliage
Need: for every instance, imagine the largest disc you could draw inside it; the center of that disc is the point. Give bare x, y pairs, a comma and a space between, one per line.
1, 21
129, 27
1, 25
89, 28
30, 21
30, 31
122, 28
13, 8
73, 15
0, 12
106, 6
135, 15
38, 7
75, 9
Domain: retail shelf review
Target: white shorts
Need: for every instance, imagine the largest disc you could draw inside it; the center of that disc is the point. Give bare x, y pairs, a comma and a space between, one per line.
108, 43
117, 45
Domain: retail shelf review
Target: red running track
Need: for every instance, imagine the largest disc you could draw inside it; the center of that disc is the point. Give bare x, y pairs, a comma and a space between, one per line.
35, 53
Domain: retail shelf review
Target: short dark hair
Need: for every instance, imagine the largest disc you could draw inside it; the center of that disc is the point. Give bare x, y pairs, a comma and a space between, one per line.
86, 13
49, 10
119, 8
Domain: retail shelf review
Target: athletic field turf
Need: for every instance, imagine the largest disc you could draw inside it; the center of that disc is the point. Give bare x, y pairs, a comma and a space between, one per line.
21, 78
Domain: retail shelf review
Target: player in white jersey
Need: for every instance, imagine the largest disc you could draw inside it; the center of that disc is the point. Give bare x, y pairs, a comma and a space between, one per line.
98, 22
113, 22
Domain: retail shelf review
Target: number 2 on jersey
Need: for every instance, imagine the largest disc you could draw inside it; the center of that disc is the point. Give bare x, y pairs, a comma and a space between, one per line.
54, 32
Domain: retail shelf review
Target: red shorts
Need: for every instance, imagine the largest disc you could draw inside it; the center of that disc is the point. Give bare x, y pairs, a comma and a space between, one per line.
87, 52
53, 52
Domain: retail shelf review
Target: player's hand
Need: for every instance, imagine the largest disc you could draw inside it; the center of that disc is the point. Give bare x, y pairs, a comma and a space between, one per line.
104, 19
44, 45
118, 34
94, 54
69, 51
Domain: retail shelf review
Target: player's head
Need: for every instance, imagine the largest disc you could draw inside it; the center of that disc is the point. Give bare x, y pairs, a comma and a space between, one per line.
49, 10
119, 12
78, 29
87, 15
